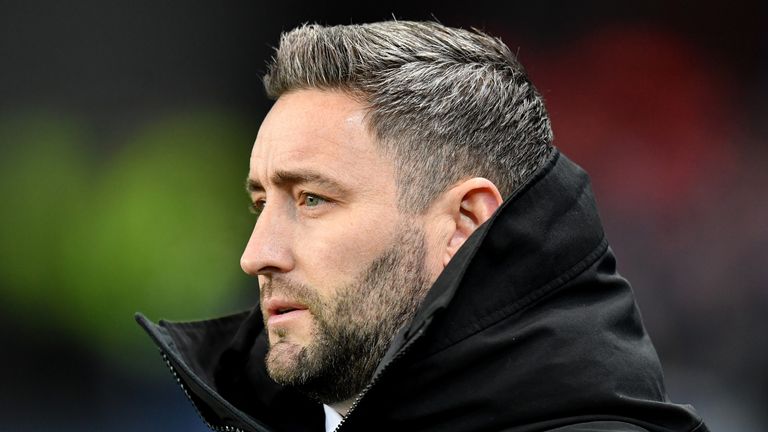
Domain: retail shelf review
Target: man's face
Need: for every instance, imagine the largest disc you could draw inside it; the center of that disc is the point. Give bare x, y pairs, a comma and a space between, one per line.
340, 268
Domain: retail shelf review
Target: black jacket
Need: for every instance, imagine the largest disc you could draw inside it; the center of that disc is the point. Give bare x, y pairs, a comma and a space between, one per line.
529, 328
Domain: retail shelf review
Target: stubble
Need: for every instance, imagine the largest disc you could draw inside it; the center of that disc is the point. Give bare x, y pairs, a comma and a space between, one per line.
352, 331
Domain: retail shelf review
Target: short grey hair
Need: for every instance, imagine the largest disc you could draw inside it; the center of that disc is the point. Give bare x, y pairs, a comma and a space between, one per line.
446, 104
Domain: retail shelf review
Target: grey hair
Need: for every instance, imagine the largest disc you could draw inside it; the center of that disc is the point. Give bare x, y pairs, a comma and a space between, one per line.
446, 104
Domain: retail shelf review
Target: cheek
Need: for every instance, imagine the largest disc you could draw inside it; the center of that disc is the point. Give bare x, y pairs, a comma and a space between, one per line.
330, 252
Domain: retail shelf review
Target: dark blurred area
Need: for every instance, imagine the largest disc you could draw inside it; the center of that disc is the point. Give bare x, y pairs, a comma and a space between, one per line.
125, 130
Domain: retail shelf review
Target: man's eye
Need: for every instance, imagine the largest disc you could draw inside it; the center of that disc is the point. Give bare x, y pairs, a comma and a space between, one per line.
257, 207
313, 200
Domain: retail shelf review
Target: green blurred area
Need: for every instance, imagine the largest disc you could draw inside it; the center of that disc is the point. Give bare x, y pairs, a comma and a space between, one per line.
156, 225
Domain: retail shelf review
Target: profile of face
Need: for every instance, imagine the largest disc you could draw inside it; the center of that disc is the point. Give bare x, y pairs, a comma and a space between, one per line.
340, 267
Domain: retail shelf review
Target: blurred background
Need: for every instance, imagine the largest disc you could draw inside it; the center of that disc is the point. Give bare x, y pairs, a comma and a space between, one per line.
125, 130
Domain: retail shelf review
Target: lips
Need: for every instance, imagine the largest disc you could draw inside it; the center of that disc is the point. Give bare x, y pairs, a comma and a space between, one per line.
278, 310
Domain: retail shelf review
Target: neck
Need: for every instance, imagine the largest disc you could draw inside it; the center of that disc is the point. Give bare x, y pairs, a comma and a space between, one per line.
343, 406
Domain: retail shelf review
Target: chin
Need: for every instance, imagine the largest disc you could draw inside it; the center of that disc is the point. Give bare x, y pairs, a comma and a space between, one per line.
283, 360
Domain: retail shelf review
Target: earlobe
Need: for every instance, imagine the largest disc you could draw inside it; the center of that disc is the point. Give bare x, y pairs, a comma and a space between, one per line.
474, 202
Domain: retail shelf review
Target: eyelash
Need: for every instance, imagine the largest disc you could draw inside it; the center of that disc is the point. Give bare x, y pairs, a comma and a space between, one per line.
304, 195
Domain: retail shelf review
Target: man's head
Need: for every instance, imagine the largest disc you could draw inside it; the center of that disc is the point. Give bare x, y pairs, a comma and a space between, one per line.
446, 104
388, 145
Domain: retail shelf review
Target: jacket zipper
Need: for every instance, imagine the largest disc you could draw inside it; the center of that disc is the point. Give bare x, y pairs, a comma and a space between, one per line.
181, 384
376, 378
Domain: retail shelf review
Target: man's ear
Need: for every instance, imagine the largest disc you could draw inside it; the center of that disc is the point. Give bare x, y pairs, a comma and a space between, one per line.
472, 202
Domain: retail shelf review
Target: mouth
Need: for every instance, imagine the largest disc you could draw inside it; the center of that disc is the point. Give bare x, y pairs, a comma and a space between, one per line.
279, 310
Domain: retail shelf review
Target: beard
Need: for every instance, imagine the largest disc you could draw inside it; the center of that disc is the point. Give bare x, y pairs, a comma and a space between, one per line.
353, 330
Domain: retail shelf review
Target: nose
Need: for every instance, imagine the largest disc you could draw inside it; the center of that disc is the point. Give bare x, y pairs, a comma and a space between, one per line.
268, 250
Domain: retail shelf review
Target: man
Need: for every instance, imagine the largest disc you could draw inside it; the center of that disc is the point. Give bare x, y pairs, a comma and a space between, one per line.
426, 259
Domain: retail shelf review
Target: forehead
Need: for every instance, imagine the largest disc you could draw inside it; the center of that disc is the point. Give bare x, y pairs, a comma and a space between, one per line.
315, 129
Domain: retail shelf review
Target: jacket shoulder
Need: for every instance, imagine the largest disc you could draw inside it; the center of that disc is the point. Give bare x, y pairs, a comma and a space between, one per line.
613, 426
600, 426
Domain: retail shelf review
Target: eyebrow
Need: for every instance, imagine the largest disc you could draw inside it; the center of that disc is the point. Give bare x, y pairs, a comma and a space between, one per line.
282, 178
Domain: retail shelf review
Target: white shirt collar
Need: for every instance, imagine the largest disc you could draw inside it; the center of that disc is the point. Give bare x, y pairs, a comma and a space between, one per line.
332, 418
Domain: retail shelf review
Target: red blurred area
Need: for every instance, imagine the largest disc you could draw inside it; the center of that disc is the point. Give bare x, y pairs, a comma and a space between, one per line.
648, 114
